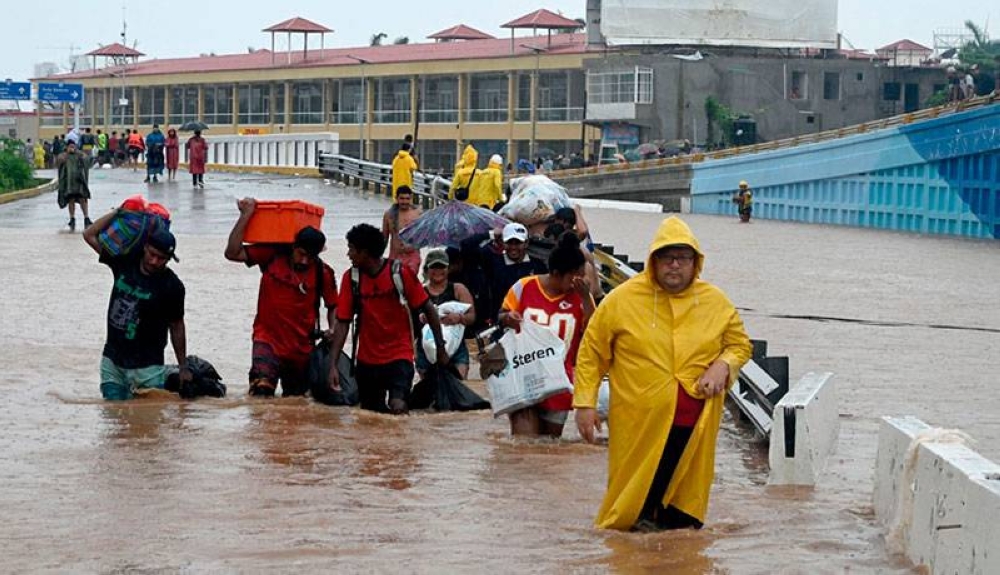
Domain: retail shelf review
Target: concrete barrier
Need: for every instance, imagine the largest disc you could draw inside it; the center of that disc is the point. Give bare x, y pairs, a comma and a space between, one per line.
804, 432
30, 192
938, 498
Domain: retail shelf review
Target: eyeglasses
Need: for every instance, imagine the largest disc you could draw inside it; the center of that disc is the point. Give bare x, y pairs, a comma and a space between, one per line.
682, 259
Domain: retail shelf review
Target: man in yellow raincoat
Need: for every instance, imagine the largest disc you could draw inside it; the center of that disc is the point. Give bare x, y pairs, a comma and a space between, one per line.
671, 344
486, 188
465, 171
403, 166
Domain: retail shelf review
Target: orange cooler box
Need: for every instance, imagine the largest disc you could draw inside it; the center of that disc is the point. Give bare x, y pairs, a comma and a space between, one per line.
277, 222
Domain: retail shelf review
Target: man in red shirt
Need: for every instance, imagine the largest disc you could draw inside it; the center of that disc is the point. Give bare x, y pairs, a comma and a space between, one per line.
383, 333
287, 313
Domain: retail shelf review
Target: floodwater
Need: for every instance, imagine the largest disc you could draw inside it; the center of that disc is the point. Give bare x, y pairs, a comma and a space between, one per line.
238, 485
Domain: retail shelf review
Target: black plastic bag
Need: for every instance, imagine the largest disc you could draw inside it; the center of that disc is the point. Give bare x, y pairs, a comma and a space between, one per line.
205, 380
319, 366
443, 390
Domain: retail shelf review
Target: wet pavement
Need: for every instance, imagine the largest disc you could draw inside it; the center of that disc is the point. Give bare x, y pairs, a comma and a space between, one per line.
234, 485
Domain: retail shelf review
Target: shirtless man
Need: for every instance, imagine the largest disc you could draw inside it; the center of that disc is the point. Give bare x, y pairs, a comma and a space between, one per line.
397, 217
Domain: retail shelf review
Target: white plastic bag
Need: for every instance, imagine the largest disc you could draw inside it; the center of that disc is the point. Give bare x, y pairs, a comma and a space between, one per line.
534, 370
604, 400
533, 199
453, 334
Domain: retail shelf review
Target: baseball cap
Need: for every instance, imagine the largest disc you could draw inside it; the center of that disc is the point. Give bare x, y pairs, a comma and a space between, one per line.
515, 231
311, 240
436, 258
163, 240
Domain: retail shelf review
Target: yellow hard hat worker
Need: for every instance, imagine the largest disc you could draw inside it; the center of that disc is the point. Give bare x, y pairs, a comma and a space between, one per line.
744, 184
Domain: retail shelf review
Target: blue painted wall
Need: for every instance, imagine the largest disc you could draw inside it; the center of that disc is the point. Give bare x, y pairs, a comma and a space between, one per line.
939, 176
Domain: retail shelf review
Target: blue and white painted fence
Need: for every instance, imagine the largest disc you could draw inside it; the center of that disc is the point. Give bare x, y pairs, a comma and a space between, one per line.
937, 176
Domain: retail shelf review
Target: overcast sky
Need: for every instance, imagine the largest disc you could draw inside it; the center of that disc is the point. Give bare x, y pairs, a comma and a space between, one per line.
30, 33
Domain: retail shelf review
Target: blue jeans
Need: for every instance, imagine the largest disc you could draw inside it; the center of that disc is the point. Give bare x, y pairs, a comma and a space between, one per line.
118, 383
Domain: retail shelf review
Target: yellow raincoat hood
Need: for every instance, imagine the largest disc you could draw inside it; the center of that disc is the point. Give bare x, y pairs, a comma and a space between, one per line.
651, 343
469, 158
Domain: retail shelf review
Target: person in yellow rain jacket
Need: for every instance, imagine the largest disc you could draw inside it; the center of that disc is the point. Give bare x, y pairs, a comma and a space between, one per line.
464, 171
671, 344
39, 152
487, 187
403, 166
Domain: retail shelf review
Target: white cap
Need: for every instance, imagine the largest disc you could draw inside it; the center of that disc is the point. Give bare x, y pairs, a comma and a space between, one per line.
496, 159
515, 231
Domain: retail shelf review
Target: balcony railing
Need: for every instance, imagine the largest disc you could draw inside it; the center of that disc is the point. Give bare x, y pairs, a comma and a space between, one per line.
307, 117
487, 116
391, 116
346, 118
439, 116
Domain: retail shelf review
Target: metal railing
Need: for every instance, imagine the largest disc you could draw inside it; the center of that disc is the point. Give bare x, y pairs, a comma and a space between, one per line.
430, 190
898, 120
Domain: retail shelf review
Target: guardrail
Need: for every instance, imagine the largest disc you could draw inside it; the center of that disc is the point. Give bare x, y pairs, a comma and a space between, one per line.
268, 150
430, 190
898, 120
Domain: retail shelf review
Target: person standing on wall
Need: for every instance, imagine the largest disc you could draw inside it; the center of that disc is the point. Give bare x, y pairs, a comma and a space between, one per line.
197, 149
672, 345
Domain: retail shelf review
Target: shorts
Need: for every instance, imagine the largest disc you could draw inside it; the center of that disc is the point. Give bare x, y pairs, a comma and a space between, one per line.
134, 152
119, 383
375, 381
460, 357
291, 372
552, 416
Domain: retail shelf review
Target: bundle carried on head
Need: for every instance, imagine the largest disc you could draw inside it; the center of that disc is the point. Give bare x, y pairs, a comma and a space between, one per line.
135, 221
534, 199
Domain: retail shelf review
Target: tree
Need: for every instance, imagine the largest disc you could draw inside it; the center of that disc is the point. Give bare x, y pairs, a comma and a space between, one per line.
983, 53
377, 39
15, 171
402, 40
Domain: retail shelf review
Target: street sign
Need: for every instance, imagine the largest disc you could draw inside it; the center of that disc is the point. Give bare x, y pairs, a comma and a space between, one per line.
15, 90
60, 92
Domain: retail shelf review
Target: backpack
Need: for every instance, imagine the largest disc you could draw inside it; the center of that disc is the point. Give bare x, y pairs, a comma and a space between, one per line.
397, 280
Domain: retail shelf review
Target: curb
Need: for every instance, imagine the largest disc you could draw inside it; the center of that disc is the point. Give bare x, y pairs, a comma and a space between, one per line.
29, 193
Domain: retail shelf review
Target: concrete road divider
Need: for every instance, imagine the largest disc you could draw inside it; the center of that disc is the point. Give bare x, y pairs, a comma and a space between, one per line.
806, 423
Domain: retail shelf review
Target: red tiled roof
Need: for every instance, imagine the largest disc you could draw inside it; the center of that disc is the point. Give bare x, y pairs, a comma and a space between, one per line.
389, 54
543, 19
904, 45
297, 24
115, 49
461, 32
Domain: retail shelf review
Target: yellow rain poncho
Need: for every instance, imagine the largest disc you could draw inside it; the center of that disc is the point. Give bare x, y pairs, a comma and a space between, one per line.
650, 341
403, 166
463, 170
487, 186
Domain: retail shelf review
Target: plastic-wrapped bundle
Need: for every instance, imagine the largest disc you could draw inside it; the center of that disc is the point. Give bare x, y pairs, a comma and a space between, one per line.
533, 199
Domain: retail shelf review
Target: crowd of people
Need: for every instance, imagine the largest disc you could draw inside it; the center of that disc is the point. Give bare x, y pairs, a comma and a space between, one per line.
671, 342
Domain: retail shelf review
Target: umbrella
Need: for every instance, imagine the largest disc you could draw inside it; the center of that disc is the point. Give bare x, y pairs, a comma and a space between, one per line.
194, 126
647, 149
449, 224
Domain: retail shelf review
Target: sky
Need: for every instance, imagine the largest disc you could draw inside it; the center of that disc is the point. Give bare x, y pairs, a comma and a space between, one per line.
29, 35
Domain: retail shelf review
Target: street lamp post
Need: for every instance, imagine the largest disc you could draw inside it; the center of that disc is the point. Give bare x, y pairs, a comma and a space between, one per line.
362, 116
534, 97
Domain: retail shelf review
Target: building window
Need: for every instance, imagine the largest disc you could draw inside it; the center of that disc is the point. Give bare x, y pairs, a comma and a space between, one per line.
279, 103
183, 104
633, 86
347, 103
831, 85
439, 101
151, 105
94, 107
218, 104
392, 101
798, 88
891, 91
307, 103
255, 104
123, 108
860, 77
488, 98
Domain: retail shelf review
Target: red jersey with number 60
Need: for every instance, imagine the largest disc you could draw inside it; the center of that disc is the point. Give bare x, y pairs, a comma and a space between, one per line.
562, 314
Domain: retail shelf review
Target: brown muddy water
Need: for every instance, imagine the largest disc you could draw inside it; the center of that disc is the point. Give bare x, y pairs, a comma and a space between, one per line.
160, 485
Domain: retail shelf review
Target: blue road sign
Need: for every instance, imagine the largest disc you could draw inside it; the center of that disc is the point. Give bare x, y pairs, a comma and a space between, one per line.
60, 92
15, 90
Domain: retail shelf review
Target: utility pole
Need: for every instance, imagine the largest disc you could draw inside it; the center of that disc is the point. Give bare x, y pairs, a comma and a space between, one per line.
534, 97
363, 113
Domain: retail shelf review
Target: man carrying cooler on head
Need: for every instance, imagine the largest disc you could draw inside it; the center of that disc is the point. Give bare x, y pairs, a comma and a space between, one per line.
146, 303
286, 304
672, 345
